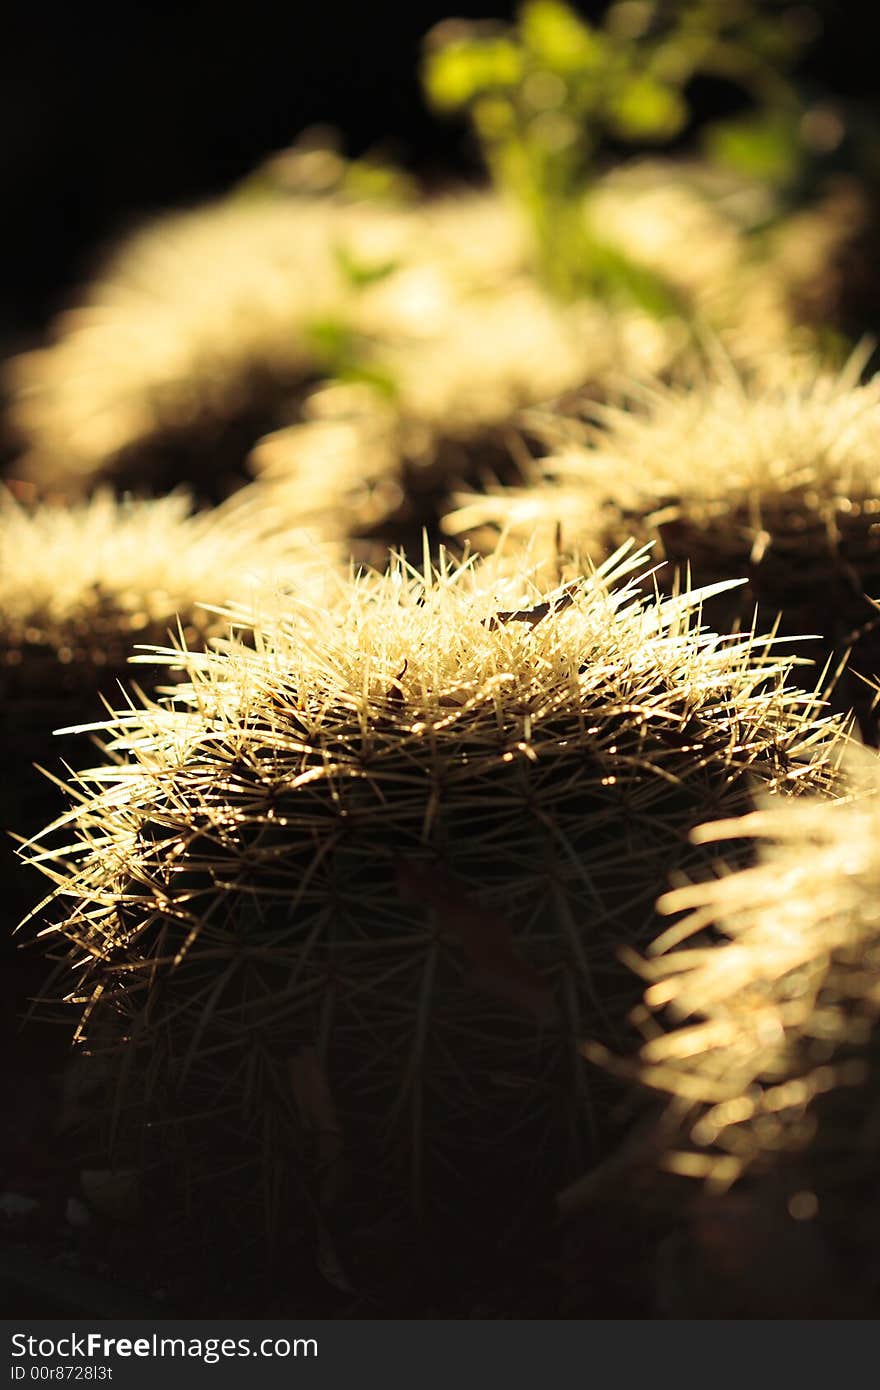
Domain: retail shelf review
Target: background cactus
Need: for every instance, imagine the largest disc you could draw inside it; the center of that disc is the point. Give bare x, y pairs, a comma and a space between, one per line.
82, 586
194, 329
354, 895
776, 481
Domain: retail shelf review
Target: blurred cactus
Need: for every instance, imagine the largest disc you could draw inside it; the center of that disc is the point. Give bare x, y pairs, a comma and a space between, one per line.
218, 330
198, 331
343, 908
379, 466
206, 330
84, 582
426, 363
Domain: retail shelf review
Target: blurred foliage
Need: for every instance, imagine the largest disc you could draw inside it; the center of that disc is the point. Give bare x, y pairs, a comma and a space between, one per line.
359, 273
546, 94
342, 354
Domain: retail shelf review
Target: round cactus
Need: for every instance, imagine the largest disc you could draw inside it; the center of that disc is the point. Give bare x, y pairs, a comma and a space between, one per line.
348, 901
85, 582
380, 466
195, 329
769, 1053
205, 327
80, 587
774, 481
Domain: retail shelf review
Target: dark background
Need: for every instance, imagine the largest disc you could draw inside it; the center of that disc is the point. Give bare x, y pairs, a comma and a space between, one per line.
107, 114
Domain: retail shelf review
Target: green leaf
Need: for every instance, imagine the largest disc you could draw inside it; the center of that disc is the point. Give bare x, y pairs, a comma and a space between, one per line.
760, 147
610, 274
371, 374
342, 354
494, 118
377, 182
644, 109
359, 274
559, 39
331, 341
457, 73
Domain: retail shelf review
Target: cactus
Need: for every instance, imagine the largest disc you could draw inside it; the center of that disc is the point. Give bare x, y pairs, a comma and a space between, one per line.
86, 581
212, 320
193, 331
379, 469
769, 1050
347, 902
779, 289
775, 481
80, 587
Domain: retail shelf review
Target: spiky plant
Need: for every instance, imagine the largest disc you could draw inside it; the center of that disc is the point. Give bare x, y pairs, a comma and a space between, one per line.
195, 328
382, 466
765, 1005
759, 292
349, 899
207, 325
81, 586
777, 481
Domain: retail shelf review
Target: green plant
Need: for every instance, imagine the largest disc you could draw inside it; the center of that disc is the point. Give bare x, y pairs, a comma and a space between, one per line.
546, 94
348, 901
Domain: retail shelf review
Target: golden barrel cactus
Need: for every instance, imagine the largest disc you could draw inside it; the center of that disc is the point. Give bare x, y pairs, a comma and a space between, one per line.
730, 476
336, 914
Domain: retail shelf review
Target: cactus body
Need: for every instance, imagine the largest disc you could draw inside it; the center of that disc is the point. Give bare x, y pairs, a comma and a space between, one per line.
356, 892
81, 587
776, 482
